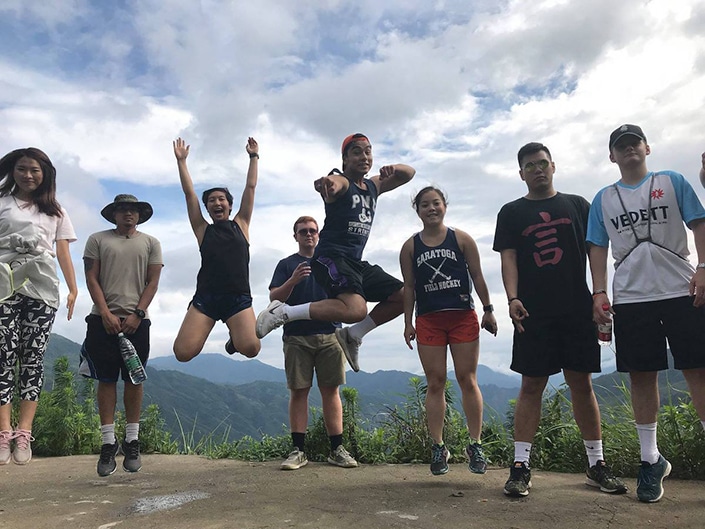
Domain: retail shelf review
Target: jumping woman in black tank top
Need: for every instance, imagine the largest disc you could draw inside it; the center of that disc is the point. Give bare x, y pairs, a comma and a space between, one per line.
223, 286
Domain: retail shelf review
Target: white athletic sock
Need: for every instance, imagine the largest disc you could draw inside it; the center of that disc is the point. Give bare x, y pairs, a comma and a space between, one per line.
298, 312
132, 431
593, 449
647, 442
522, 452
703, 423
361, 328
107, 434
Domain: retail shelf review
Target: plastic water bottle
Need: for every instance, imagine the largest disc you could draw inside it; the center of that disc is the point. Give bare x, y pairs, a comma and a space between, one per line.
132, 362
604, 330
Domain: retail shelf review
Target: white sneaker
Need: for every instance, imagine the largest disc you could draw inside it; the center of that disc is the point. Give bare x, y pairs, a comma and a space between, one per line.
271, 318
342, 458
351, 347
22, 454
296, 460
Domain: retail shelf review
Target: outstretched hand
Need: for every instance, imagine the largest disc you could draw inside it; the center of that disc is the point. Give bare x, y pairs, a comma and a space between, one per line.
181, 150
252, 146
386, 171
325, 186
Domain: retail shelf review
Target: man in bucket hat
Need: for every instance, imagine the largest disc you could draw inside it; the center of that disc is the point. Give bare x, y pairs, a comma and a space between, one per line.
122, 268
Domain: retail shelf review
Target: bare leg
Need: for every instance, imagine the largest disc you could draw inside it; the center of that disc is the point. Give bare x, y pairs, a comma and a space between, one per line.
298, 409
388, 309
585, 408
242, 332
133, 401
465, 358
332, 409
527, 412
433, 360
107, 399
346, 308
192, 335
696, 384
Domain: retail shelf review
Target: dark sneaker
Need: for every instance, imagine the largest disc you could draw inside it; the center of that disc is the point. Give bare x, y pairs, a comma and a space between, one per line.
350, 346
600, 475
106, 462
230, 348
439, 459
296, 460
519, 481
132, 461
649, 482
477, 463
342, 458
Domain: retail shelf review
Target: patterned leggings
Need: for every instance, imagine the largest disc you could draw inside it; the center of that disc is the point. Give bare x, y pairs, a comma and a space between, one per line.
25, 324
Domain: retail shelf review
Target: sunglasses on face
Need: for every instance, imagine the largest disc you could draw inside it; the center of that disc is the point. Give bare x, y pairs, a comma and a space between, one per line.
125, 209
542, 164
307, 231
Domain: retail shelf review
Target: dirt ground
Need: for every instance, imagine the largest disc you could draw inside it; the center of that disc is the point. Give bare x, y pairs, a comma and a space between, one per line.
177, 492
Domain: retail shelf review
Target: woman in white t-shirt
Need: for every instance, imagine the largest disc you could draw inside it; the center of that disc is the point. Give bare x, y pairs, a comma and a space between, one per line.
34, 229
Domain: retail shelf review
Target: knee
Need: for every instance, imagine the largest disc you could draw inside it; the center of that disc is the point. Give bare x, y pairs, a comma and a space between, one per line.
183, 354
436, 385
467, 382
251, 350
356, 312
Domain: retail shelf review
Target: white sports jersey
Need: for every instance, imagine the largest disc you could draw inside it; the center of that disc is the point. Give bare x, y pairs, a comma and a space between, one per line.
644, 223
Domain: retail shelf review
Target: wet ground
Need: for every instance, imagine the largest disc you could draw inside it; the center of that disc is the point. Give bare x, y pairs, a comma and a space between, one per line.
174, 492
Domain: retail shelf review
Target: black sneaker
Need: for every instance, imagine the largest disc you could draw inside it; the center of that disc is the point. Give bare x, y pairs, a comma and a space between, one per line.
132, 461
519, 481
230, 348
439, 459
600, 475
106, 462
477, 463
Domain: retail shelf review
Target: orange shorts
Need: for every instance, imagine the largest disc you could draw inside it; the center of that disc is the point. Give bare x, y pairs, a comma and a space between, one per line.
447, 327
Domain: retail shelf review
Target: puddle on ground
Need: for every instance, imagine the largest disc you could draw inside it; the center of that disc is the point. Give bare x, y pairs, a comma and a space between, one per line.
170, 501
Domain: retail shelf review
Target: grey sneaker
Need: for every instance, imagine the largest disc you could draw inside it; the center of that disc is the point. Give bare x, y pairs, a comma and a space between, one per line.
351, 347
477, 463
649, 482
296, 460
519, 481
439, 459
22, 454
6, 437
270, 318
600, 475
341, 458
132, 461
106, 461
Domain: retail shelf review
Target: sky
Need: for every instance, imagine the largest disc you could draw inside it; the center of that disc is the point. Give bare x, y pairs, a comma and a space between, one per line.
452, 88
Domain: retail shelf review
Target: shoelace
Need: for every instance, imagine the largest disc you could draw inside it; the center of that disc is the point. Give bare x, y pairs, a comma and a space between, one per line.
5, 437
133, 450
22, 439
106, 452
438, 455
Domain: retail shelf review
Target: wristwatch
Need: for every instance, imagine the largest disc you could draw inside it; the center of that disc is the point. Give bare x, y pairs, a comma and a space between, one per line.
488, 308
700, 265
140, 313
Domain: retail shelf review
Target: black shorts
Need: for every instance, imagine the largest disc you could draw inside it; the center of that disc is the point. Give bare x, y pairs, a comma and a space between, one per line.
100, 352
220, 306
641, 330
338, 275
549, 345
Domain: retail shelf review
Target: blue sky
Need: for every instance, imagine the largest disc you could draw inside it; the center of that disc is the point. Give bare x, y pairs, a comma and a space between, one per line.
453, 88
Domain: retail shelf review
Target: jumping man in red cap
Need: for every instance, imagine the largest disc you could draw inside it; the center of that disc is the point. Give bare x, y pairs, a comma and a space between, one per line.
350, 201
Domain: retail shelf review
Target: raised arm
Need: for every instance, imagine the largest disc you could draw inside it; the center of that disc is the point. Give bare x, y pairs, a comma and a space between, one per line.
406, 261
247, 202
331, 187
472, 258
193, 207
63, 255
392, 176
510, 278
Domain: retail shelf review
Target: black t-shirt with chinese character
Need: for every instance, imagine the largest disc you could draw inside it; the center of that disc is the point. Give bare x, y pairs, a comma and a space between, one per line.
549, 238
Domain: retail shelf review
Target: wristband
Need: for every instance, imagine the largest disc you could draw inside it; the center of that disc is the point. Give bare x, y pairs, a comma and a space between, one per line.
512, 299
488, 308
254, 155
598, 292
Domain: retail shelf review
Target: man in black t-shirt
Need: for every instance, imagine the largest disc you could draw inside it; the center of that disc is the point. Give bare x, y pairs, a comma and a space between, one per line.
541, 239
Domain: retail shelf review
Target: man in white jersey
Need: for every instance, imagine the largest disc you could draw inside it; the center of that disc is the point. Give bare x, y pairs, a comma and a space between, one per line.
657, 294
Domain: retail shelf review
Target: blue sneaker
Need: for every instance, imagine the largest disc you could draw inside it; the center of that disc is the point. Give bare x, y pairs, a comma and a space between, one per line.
649, 482
439, 459
477, 462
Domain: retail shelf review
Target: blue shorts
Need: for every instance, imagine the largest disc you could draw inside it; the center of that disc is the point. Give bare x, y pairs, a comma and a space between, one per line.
220, 306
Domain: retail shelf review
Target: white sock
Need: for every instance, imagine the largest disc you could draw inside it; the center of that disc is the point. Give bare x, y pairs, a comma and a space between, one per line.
298, 312
107, 434
132, 431
647, 442
593, 449
361, 328
522, 452
703, 423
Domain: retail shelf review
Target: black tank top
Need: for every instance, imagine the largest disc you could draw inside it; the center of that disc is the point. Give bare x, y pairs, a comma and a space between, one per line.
348, 222
225, 259
442, 280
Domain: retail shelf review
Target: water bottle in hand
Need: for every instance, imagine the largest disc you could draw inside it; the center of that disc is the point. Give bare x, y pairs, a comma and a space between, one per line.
604, 330
132, 362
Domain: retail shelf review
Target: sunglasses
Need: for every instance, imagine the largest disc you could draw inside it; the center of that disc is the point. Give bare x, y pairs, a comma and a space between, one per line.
542, 164
307, 231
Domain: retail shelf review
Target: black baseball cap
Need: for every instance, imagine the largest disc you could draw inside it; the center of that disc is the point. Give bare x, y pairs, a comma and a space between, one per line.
626, 130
